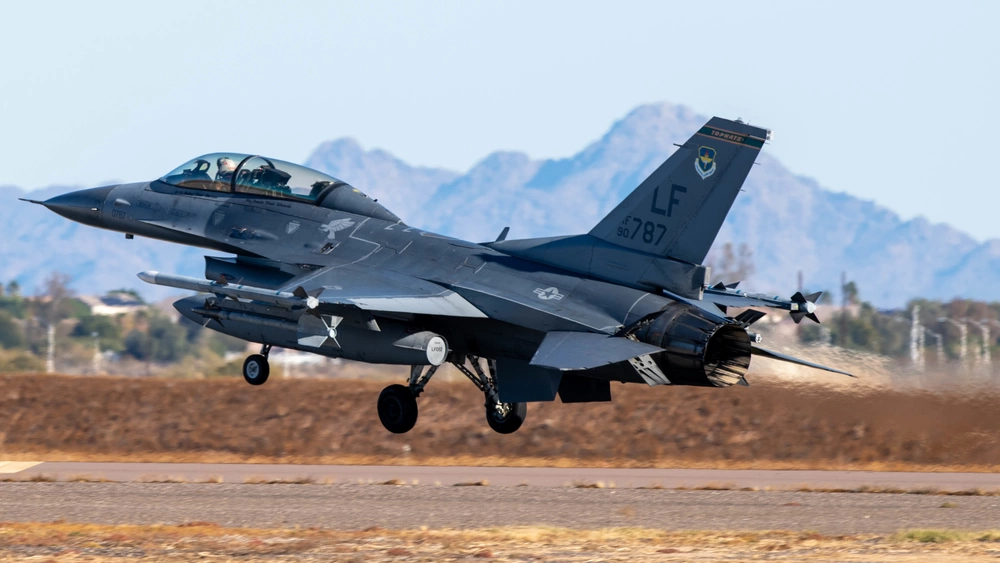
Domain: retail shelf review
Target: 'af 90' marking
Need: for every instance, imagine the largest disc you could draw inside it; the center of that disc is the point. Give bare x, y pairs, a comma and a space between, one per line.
652, 233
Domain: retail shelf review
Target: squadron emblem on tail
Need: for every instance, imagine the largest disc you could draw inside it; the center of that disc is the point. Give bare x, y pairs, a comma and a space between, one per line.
704, 163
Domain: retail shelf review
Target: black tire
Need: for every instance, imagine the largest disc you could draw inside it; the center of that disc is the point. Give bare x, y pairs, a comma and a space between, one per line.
510, 423
397, 409
256, 369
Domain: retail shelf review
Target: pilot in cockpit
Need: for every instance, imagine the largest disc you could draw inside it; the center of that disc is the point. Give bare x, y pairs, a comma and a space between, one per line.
226, 168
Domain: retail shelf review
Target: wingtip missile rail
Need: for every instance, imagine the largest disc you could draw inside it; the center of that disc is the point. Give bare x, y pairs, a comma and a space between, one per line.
799, 306
231, 290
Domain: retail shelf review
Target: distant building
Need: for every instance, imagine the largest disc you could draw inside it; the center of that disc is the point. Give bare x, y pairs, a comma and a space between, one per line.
114, 303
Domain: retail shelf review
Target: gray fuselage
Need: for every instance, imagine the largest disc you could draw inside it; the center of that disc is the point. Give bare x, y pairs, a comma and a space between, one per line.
521, 299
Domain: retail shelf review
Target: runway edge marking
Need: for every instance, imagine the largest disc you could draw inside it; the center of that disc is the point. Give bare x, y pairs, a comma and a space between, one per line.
8, 467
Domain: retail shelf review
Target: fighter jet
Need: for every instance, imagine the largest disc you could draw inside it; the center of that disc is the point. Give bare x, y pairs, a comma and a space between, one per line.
316, 265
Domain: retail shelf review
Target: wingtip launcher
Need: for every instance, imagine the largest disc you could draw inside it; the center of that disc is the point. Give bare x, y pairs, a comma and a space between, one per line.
232, 290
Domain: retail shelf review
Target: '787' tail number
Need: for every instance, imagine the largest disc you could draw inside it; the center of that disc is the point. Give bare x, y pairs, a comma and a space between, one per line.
652, 233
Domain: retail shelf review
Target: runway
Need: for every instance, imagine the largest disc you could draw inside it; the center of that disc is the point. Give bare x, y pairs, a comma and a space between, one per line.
358, 507
357, 497
503, 476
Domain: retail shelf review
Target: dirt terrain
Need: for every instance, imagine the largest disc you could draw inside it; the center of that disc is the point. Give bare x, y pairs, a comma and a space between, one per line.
769, 425
207, 541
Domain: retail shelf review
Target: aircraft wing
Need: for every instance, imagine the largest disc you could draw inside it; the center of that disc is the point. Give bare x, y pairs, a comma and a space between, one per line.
567, 351
383, 291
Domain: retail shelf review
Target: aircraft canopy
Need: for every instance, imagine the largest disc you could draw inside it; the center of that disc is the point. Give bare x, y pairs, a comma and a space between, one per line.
243, 173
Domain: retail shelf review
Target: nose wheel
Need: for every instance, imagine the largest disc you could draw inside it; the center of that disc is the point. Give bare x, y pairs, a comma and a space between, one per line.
397, 404
256, 368
397, 409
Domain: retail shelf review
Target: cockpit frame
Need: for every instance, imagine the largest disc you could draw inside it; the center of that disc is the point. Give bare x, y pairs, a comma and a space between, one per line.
255, 175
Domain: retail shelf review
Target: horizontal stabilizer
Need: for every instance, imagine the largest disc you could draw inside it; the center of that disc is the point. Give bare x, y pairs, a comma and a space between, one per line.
568, 351
785, 358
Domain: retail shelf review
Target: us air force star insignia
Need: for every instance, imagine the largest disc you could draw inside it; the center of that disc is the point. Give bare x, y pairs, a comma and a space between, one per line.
704, 163
549, 293
332, 227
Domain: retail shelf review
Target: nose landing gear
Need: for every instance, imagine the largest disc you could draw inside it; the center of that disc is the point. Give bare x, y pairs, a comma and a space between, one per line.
397, 404
397, 409
256, 368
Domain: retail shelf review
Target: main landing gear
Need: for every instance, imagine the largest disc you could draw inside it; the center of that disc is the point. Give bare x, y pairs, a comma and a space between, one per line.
504, 418
397, 404
255, 368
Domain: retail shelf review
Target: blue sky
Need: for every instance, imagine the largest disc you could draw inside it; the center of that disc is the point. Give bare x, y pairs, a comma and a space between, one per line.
896, 102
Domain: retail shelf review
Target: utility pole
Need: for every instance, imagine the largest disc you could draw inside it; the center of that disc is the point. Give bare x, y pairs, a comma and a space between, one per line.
984, 329
939, 347
923, 347
963, 348
843, 310
96, 366
916, 350
50, 356
989, 344
963, 342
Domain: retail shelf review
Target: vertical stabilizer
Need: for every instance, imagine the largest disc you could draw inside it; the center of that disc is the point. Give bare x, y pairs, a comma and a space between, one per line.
678, 210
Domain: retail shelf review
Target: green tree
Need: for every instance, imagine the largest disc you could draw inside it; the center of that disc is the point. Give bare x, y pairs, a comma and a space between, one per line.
163, 341
851, 294
104, 326
108, 330
11, 335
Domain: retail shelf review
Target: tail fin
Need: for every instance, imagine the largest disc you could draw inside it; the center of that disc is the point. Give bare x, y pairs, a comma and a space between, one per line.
678, 210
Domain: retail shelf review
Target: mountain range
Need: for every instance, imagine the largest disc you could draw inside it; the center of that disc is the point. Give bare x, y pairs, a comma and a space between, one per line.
791, 223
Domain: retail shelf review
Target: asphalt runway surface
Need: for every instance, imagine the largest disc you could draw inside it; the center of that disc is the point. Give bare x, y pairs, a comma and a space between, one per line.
354, 497
504, 476
357, 507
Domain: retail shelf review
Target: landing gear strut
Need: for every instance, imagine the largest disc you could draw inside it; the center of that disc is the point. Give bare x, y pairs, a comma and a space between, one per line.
256, 368
504, 418
397, 404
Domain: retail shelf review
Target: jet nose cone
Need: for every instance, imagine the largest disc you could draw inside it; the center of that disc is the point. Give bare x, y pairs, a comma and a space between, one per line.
83, 206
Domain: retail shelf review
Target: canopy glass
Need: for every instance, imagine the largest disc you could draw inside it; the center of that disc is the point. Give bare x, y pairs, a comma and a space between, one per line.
242, 173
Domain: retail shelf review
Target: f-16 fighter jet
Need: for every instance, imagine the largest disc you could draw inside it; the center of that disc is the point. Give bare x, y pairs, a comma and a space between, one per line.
318, 266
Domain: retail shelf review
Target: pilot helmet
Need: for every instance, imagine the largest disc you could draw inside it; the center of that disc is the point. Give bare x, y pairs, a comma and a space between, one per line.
226, 164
